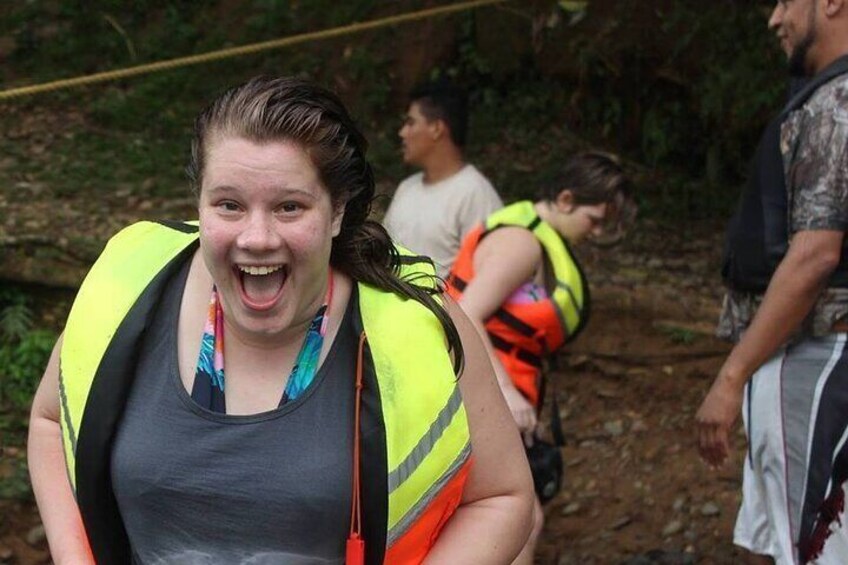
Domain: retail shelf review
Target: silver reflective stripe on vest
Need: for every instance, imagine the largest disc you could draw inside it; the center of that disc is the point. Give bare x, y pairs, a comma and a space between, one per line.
63, 397
426, 443
67, 425
415, 512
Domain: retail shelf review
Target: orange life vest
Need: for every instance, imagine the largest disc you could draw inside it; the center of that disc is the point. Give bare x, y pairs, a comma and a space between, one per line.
523, 334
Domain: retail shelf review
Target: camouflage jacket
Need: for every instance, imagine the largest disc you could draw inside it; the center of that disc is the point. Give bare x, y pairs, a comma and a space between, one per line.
814, 145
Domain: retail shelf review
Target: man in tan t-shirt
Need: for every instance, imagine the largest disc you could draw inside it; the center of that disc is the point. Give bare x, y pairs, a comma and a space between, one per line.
433, 209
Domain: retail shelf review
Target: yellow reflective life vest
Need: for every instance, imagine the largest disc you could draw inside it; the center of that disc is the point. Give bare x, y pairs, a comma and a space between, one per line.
423, 457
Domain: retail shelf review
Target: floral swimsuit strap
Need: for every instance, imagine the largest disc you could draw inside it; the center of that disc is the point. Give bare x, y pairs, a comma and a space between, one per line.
208, 388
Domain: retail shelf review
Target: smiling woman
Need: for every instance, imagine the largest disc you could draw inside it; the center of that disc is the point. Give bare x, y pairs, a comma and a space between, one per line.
276, 383
266, 229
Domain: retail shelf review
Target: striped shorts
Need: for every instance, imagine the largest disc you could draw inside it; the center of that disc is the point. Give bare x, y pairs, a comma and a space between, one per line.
796, 419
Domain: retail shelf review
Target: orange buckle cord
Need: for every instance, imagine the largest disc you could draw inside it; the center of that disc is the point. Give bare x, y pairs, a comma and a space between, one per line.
355, 549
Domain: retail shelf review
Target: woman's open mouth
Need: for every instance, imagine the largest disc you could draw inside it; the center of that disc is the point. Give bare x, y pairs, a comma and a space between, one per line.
261, 286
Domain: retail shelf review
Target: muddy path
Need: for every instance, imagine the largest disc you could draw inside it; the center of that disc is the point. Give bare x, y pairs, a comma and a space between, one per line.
635, 491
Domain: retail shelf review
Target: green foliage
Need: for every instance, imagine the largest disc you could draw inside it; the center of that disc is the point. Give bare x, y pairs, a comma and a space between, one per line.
23, 363
690, 104
137, 132
24, 352
67, 38
15, 316
681, 88
366, 67
742, 80
15, 322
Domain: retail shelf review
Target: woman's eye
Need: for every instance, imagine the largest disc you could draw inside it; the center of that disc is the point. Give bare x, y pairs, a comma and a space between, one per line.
290, 208
228, 206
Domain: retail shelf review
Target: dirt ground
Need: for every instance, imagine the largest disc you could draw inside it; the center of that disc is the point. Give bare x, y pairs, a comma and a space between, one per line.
634, 491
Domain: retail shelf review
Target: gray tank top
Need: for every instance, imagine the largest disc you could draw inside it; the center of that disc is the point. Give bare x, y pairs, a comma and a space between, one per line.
199, 487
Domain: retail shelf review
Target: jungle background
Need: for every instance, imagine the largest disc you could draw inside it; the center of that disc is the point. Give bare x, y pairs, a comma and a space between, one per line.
680, 89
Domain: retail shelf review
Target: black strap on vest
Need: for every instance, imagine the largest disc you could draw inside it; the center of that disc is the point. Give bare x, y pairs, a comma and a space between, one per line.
515, 323
106, 400
510, 320
758, 234
179, 226
522, 354
458, 282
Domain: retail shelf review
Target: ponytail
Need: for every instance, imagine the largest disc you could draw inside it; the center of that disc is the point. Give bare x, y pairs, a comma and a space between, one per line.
365, 252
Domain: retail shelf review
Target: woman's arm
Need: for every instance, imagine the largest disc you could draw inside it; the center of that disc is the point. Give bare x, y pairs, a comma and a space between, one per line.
504, 260
495, 516
59, 511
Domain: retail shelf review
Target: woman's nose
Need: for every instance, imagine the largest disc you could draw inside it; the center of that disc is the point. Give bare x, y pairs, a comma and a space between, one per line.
259, 234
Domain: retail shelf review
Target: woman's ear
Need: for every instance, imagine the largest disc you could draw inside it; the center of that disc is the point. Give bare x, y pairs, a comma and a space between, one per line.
338, 217
565, 201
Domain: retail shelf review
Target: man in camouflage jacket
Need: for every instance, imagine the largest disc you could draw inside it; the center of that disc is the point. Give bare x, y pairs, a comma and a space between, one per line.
788, 371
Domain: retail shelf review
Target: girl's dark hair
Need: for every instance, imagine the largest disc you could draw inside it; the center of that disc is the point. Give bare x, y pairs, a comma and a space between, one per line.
595, 177
290, 109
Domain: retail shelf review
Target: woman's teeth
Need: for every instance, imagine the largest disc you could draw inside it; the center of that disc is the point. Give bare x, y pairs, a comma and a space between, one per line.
262, 270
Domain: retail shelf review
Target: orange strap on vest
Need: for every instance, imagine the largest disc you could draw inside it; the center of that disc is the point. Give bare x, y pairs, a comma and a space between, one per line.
412, 548
355, 548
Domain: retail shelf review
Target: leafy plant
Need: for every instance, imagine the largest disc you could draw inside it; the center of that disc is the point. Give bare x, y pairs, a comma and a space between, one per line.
681, 88
23, 352
22, 363
15, 322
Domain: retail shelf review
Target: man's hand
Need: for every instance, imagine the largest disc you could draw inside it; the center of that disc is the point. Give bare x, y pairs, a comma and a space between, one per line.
716, 418
792, 293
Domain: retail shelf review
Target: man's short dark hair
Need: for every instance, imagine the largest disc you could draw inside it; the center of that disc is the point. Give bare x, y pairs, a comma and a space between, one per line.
442, 100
